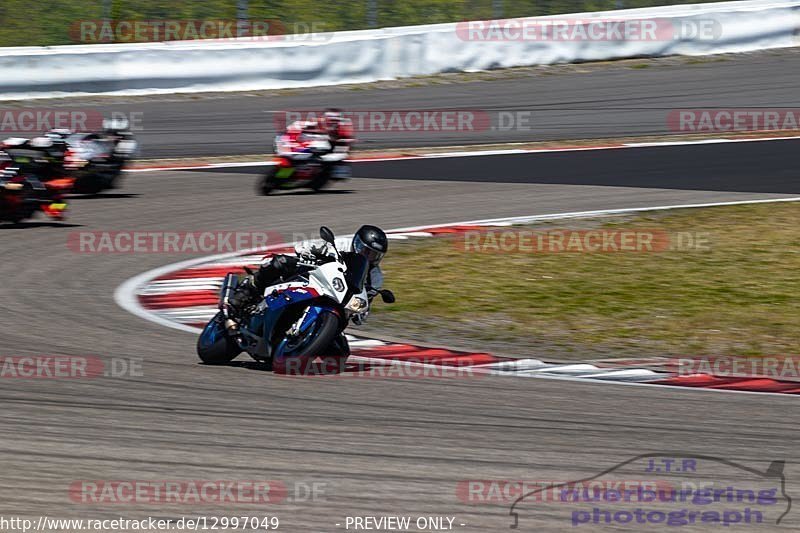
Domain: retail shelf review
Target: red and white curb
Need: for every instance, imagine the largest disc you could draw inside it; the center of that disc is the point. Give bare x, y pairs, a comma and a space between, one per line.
481, 153
184, 296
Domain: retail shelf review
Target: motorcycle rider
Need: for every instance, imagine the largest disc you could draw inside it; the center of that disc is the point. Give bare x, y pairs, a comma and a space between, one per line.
25, 193
369, 241
40, 156
50, 154
298, 135
338, 127
118, 134
333, 126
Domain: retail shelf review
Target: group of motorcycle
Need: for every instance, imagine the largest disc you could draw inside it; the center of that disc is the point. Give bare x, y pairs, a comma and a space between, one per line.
37, 174
287, 327
300, 321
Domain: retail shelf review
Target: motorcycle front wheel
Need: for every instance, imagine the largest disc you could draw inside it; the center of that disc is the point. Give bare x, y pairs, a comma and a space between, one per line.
88, 185
295, 356
320, 180
334, 361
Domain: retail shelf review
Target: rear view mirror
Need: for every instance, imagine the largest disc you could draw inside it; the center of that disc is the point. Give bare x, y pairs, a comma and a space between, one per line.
326, 234
387, 296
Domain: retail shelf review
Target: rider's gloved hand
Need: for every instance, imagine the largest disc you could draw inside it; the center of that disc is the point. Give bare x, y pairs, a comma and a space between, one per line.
308, 254
312, 253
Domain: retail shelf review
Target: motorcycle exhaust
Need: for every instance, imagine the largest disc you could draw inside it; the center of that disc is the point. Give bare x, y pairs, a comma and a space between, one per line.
229, 285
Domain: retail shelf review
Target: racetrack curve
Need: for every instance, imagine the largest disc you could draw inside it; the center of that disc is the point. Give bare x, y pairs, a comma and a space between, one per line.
389, 446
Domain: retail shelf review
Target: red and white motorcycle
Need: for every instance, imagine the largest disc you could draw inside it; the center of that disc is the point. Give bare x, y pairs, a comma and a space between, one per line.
317, 164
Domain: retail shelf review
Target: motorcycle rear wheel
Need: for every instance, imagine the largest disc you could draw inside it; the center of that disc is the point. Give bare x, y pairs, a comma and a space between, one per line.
266, 183
214, 346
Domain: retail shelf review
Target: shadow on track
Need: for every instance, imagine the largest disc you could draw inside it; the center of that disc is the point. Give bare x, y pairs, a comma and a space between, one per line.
759, 166
105, 196
764, 167
37, 224
305, 192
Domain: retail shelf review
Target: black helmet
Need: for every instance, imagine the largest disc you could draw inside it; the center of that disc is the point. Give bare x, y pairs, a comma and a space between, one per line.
371, 242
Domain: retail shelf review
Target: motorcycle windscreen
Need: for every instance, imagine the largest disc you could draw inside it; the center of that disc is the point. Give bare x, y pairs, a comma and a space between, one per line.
357, 270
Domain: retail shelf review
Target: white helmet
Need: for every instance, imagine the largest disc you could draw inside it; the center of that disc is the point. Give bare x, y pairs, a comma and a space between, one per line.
114, 125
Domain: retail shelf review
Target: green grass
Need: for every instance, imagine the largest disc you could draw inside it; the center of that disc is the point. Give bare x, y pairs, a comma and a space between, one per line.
28, 23
740, 297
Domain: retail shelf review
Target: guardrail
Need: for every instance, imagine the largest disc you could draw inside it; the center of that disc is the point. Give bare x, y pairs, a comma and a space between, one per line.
390, 53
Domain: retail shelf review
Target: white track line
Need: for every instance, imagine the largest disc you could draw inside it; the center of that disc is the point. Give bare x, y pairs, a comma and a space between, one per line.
206, 165
589, 214
485, 153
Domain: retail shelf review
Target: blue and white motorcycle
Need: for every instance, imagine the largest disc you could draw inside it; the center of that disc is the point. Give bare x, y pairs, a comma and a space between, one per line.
296, 321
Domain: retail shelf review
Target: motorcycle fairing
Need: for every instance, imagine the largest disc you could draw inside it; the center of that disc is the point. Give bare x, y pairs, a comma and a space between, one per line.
276, 303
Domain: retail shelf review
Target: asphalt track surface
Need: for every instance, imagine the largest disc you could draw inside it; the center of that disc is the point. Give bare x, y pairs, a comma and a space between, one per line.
379, 446
576, 102
719, 167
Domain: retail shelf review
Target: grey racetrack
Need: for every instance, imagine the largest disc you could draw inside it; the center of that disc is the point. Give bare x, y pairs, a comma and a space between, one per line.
377, 446
576, 102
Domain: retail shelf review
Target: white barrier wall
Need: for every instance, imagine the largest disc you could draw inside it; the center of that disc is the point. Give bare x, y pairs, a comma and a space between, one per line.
371, 55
